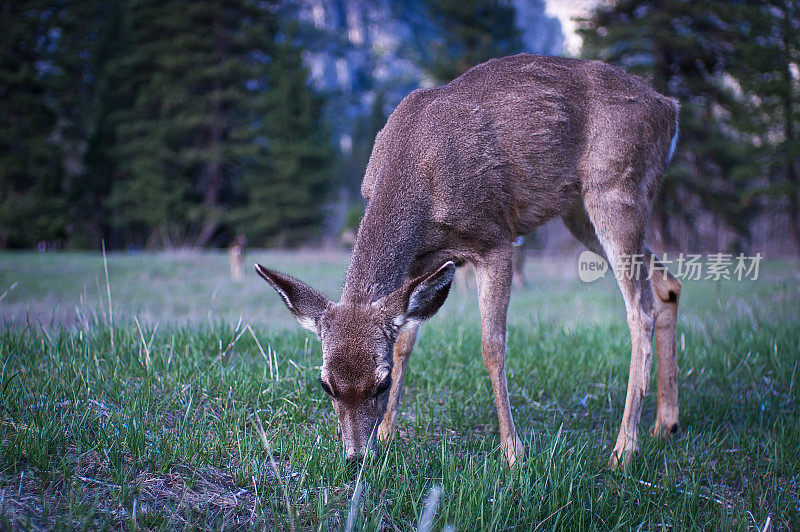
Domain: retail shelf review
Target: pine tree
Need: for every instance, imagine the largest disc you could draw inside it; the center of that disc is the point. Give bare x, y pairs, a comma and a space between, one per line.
685, 49
83, 89
190, 125
767, 59
282, 192
31, 178
465, 33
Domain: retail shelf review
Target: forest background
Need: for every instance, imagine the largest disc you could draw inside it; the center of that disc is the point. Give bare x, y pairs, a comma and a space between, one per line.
168, 124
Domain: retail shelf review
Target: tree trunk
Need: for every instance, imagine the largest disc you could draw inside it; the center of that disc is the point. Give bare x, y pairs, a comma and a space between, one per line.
214, 172
214, 181
792, 174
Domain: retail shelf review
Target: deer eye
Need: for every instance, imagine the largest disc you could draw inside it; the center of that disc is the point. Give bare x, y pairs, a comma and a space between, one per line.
326, 388
383, 386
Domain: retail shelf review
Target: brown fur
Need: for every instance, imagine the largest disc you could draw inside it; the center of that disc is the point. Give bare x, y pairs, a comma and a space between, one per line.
457, 173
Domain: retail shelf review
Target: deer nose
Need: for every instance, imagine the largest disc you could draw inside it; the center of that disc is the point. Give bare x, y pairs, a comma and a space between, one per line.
352, 454
354, 461
356, 457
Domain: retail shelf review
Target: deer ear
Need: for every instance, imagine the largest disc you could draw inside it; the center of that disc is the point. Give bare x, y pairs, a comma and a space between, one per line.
305, 303
425, 295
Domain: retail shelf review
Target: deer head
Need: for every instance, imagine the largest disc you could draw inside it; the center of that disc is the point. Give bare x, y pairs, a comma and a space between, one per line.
357, 341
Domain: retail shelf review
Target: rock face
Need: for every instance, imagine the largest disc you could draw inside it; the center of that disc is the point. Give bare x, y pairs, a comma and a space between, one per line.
356, 49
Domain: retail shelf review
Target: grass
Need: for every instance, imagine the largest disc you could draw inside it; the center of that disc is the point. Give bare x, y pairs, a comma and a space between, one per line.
162, 430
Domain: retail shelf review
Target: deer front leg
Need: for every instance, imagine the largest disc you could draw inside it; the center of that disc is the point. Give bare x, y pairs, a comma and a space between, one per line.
402, 352
494, 289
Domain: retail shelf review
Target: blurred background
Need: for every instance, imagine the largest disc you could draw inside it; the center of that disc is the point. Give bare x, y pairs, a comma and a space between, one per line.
163, 124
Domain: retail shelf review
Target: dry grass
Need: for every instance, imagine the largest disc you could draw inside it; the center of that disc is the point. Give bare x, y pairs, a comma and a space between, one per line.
187, 497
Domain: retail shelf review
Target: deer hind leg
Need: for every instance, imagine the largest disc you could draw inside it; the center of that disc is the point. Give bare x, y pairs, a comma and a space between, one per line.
667, 291
494, 275
402, 352
619, 224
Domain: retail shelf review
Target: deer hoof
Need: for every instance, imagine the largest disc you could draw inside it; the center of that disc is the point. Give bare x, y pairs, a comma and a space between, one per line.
623, 453
664, 429
618, 458
514, 451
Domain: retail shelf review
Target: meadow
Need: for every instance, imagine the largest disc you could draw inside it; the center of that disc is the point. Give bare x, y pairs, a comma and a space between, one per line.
175, 397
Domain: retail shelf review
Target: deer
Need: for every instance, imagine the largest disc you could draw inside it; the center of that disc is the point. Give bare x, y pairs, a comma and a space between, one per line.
457, 173
236, 256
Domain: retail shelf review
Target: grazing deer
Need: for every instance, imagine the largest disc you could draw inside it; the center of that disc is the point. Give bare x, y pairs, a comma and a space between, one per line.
460, 171
236, 256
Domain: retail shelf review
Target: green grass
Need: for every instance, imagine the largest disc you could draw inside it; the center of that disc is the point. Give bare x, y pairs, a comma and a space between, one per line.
161, 428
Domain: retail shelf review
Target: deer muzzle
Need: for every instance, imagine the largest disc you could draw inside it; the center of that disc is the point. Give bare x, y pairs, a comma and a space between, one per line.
358, 429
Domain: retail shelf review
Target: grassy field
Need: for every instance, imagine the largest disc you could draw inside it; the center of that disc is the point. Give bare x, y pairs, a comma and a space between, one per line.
155, 421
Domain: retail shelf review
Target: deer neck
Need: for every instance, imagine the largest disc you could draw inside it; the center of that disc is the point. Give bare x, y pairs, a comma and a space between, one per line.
388, 240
